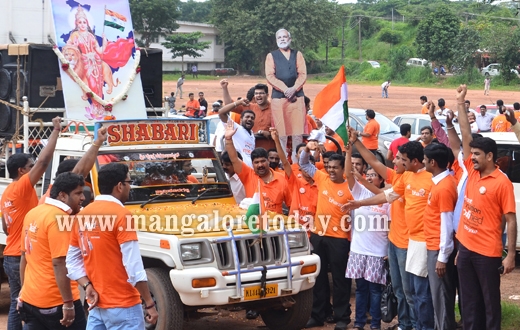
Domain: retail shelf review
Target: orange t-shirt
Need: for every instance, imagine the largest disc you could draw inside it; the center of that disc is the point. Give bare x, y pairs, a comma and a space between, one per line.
192, 179
102, 254
372, 127
517, 115
424, 108
330, 146
500, 124
43, 241
17, 200
274, 193
415, 187
331, 196
192, 104
442, 198
398, 234
48, 192
310, 123
304, 199
485, 201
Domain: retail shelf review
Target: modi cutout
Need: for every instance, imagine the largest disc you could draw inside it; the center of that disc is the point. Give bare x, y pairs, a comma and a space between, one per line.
286, 72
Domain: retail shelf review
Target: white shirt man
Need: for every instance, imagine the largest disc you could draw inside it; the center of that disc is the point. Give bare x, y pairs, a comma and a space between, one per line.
484, 120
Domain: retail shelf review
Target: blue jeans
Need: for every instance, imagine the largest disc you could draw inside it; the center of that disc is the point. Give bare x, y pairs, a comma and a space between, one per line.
366, 291
423, 306
401, 286
49, 318
12, 270
384, 92
129, 318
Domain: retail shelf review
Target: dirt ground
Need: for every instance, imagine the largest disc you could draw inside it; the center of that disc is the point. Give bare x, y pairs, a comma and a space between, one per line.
402, 100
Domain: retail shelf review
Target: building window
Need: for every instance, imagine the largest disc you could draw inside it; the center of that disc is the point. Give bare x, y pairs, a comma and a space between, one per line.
218, 40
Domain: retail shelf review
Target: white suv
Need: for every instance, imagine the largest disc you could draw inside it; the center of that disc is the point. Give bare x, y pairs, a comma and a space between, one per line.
494, 70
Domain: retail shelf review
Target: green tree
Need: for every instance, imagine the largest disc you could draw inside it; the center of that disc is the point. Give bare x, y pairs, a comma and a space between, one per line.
436, 35
193, 11
154, 18
467, 44
186, 44
397, 60
503, 41
251, 24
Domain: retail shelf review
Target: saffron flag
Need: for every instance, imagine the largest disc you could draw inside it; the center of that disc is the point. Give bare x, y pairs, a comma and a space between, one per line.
254, 213
331, 105
114, 20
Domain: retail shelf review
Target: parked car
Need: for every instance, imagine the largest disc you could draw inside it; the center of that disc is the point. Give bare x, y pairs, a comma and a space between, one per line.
418, 62
224, 72
494, 70
374, 64
417, 121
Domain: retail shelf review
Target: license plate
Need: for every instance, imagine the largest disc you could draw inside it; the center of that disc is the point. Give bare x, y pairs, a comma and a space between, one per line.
253, 292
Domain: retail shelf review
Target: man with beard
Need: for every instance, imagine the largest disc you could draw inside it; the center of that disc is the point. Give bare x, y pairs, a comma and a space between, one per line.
261, 107
244, 139
286, 72
274, 160
45, 285
203, 105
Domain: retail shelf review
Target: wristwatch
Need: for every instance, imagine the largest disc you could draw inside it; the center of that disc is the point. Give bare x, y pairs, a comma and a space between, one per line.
86, 284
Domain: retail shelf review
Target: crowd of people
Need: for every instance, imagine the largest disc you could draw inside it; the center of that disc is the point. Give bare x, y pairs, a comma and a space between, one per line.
438, 216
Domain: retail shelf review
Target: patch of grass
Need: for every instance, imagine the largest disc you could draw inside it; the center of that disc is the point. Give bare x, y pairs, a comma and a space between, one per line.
510, 316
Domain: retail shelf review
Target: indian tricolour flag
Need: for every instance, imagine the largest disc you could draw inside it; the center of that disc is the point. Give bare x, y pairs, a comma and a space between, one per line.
331, 105
254, 213
115, 20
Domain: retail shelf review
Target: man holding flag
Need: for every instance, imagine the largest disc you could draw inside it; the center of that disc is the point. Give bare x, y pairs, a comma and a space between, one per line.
330, 236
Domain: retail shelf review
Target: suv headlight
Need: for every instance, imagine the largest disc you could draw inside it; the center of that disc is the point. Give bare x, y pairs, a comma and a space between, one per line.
296, 240
387, 144
191, 251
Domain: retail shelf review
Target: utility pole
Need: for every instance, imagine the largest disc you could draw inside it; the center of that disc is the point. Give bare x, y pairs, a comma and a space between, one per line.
359, 28
343, 40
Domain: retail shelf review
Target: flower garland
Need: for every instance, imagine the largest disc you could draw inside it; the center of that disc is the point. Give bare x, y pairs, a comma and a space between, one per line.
106, 104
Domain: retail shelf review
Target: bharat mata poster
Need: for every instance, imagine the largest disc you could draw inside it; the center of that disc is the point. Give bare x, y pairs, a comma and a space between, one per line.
98, 60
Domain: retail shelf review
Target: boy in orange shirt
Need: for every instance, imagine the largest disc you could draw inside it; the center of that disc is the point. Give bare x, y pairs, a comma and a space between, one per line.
45, 285
19, 198
489, 196
370, 132
123, 288
192, 106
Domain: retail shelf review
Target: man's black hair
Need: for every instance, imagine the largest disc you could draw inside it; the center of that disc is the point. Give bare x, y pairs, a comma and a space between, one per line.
264, 87
66, 182
110, 175
67, 166
358, 155
328, 154
424, 98
441, 102
485, 144
413, 150
440, 153
247, 111
299, 146
307, 101
250, 94
475, 135
500, 103
483, 106
429, 128
224, 157
16, 162
339, 158
405, 129
272, 150
190, 94
259, 153
370, 113
467, 101
516, 106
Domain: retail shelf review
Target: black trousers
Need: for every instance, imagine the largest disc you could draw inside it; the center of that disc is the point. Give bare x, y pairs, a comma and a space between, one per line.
334, 252
479, 281
49, 318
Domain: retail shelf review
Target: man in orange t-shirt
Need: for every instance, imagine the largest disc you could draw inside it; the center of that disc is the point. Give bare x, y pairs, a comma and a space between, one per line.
398, 235
45, 285
95, 246
438, 232
331, 146
370, 132
19, 198
330, 238
192, 106
488, 198
414, 186
424, 102
500, 123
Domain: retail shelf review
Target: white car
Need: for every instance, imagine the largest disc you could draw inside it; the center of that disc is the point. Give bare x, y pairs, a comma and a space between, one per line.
418, 121
421, 62
374, 64
494, 70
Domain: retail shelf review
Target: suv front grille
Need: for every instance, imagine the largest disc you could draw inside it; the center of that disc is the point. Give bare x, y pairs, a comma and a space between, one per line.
249, 254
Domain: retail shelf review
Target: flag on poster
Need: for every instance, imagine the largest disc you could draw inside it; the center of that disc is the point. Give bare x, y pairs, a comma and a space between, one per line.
114, 20
331, 105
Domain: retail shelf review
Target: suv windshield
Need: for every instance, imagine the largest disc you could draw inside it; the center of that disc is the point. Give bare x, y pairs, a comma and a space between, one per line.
175, 174
387, 126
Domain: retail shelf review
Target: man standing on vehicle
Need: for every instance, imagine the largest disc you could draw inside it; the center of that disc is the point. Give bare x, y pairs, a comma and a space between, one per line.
286, 72
45, 286
203, 105
19, 198
180, 82
122, 288
171, 103
370, 132
489, 197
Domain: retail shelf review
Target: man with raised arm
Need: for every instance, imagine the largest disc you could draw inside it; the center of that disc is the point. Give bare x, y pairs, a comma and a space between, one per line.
331, 234
398, 235
19, 198
488, 197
